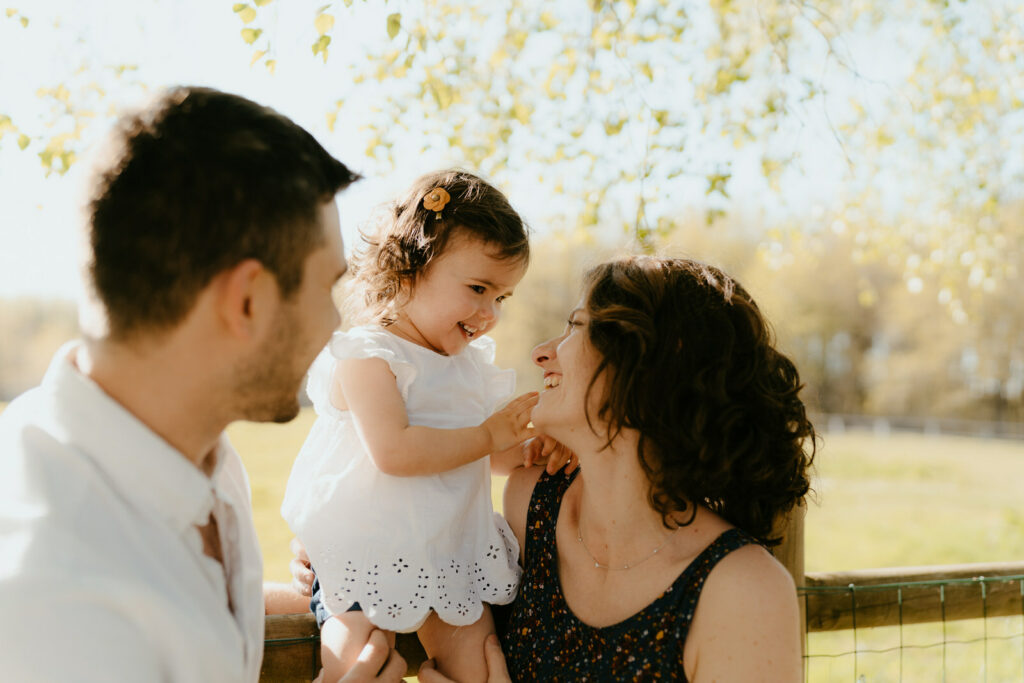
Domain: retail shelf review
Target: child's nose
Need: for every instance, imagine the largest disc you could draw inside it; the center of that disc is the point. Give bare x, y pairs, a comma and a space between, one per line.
488, 312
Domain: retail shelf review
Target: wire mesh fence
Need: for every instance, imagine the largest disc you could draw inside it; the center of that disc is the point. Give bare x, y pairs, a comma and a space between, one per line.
950, 629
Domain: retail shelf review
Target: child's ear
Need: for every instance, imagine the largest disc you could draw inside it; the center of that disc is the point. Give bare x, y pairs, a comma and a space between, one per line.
247, 299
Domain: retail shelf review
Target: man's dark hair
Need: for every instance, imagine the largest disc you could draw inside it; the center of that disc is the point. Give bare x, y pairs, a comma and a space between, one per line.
200, 181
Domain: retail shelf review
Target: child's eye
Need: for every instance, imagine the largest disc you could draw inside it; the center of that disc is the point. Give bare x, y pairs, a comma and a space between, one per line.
501, 298
479, 289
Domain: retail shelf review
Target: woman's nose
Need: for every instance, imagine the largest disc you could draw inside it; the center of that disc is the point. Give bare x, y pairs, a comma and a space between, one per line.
543, 352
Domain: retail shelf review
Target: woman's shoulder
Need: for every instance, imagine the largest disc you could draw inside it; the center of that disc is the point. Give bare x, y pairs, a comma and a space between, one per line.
516, 503
748, 597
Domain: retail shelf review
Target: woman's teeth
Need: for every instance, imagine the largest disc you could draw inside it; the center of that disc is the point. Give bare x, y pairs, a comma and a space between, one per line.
552, 381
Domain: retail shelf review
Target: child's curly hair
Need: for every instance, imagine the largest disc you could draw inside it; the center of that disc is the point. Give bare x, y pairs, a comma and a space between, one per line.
408, 237
689, 362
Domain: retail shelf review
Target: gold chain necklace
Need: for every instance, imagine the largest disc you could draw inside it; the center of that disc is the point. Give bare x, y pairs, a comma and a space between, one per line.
579, 537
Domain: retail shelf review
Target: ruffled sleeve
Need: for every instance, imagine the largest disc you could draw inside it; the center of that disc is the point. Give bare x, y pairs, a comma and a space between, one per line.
359, 342
499, 384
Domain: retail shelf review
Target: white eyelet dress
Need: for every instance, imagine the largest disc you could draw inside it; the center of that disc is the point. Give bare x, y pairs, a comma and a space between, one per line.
403, 546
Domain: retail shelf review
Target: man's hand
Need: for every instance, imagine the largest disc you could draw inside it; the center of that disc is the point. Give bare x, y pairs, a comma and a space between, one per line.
302, 575
370, 667
497, 672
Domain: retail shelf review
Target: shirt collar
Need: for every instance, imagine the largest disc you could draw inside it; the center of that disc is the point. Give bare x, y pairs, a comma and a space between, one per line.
147, 470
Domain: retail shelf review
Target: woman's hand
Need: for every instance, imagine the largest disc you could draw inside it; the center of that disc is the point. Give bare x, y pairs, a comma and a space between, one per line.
543, 449
497, 672
302, 574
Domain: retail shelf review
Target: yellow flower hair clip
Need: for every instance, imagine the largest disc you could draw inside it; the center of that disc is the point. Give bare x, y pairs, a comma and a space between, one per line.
436, 200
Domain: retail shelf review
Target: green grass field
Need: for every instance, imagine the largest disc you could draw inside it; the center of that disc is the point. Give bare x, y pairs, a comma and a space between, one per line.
899, 500
878, 502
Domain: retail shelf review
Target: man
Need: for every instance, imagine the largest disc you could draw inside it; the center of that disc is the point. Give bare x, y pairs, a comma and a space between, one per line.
127, 547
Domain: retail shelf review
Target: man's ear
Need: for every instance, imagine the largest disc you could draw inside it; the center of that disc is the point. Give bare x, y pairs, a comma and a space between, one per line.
247, 299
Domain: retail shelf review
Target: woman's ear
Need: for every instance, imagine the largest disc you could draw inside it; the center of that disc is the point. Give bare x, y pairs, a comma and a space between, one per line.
247, 299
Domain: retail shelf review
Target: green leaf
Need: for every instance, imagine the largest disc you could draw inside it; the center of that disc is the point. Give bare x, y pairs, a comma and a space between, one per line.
249, 35
23, 141
394, 24
320, 46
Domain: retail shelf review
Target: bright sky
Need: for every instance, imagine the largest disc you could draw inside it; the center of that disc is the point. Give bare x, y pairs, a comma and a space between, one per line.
185, 41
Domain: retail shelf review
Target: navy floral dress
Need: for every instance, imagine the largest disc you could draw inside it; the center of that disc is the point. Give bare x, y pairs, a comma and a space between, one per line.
544, 641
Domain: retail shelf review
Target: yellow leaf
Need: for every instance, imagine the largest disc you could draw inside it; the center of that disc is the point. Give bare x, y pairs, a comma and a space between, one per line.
247, 14
11, 12
324, 23
23, 141
332, 118
24, 22
394, 24
249, 35
257, 56
262, 3
271, 65
238, 7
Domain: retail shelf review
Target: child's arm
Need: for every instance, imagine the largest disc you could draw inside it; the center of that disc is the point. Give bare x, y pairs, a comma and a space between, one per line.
369, 390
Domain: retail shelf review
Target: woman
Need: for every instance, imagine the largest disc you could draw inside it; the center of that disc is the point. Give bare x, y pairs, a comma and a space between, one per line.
649, 562
690, 436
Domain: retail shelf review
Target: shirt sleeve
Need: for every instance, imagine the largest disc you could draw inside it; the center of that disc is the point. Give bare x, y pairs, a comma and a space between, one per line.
84, 642
363, 342
499, 384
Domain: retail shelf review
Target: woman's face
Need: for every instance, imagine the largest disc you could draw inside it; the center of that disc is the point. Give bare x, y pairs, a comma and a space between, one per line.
569, 362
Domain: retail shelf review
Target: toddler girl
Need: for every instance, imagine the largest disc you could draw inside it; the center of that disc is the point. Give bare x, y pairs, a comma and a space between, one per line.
391, 491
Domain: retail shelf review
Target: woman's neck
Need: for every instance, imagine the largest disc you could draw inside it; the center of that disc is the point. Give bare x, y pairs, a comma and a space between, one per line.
610, 508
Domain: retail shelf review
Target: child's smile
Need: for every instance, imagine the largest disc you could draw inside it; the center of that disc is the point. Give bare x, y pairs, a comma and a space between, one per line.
459, 297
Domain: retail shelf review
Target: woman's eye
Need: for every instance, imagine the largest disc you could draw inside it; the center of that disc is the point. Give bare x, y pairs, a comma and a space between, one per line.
479, 289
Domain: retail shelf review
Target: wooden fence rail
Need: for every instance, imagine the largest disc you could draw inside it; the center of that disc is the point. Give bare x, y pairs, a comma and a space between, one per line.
834, 601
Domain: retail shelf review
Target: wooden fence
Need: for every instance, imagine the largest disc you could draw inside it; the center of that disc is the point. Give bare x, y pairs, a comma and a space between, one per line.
830, 601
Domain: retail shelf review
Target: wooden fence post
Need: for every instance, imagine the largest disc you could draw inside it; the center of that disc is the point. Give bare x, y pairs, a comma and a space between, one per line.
791, 554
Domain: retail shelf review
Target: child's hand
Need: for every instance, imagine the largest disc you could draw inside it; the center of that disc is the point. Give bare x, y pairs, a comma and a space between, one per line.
542, 449
508, 426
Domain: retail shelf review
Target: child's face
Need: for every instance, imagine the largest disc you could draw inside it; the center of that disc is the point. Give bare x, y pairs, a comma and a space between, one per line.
459, 296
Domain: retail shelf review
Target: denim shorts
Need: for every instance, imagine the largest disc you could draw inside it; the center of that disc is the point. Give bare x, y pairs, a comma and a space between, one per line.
316, 604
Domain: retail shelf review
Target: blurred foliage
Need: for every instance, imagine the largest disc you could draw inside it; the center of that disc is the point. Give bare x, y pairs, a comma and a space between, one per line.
632, 121
32, 331
864, 338
626, 105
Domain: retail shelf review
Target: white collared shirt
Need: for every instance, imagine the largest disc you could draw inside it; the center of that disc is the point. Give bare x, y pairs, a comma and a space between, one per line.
102, 571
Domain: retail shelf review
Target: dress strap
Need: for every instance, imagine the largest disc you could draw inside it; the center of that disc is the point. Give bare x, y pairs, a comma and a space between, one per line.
542, 515
687, 588
727, 541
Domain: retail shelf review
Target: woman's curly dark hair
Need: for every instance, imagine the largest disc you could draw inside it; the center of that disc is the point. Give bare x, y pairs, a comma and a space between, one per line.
688, 362
408, 237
